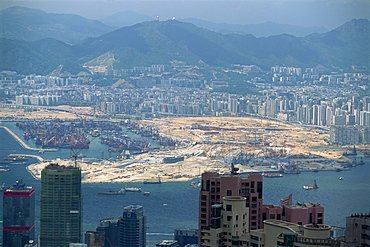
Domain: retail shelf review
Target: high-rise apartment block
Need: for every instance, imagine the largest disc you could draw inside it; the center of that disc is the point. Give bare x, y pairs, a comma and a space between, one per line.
18, 215
357, 230
128, 230
229, 224
215, 187
60, 206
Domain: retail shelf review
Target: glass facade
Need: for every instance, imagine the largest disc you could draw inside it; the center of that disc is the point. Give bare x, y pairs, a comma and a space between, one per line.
18, 215
60, 206
133, 227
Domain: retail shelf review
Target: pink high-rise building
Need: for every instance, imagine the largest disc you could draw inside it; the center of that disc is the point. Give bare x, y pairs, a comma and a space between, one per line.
215, 186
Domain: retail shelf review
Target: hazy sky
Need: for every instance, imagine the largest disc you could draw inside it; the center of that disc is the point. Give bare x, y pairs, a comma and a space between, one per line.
328, 13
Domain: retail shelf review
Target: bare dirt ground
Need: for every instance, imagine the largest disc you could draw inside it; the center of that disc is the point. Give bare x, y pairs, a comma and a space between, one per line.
207, 143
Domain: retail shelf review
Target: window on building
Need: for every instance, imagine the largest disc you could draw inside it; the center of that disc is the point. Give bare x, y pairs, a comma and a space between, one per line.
254, 199
229, 193
204, 197
272, 216
229, 218
228, 207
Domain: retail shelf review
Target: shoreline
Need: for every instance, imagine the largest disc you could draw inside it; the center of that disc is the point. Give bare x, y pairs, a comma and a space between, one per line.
23, 144
199, 157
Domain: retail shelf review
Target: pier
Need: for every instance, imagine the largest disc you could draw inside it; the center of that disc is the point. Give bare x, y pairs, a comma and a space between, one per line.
23, 144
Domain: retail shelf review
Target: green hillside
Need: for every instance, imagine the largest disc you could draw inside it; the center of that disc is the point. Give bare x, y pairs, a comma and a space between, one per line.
157, 42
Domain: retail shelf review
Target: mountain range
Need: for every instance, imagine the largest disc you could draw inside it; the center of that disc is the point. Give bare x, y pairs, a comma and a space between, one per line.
21, 23
160, 42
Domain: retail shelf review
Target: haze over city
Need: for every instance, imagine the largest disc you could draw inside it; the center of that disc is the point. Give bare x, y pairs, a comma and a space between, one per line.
185, 123
327, 13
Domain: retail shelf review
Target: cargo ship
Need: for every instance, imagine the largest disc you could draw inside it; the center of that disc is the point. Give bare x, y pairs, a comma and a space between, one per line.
113, 192
153, 182
272, 175
354, 152
132, 189
15, 158
308, 187
54, 133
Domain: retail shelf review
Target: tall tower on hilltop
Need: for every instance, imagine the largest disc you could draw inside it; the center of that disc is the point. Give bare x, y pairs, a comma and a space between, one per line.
18, 215
60, 206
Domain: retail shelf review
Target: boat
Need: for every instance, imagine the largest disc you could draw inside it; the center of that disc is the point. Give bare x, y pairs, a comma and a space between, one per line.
308, 187
16, 158
146, 193
361, 162
19, 163
272, 175
341, 178
354, 152
153, 182
196, 184
3, 187
5, 162
132, 189
113, 192
291, 171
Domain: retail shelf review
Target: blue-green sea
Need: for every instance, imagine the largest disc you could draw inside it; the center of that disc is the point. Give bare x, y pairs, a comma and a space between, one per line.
340, 198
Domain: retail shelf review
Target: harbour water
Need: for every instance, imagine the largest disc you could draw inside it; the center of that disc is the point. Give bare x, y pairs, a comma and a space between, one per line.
175, 204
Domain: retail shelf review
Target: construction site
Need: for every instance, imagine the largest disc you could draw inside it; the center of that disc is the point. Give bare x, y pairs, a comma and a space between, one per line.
214, 143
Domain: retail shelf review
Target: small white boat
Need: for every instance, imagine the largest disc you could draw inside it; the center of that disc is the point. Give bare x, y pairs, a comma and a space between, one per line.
341, 178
